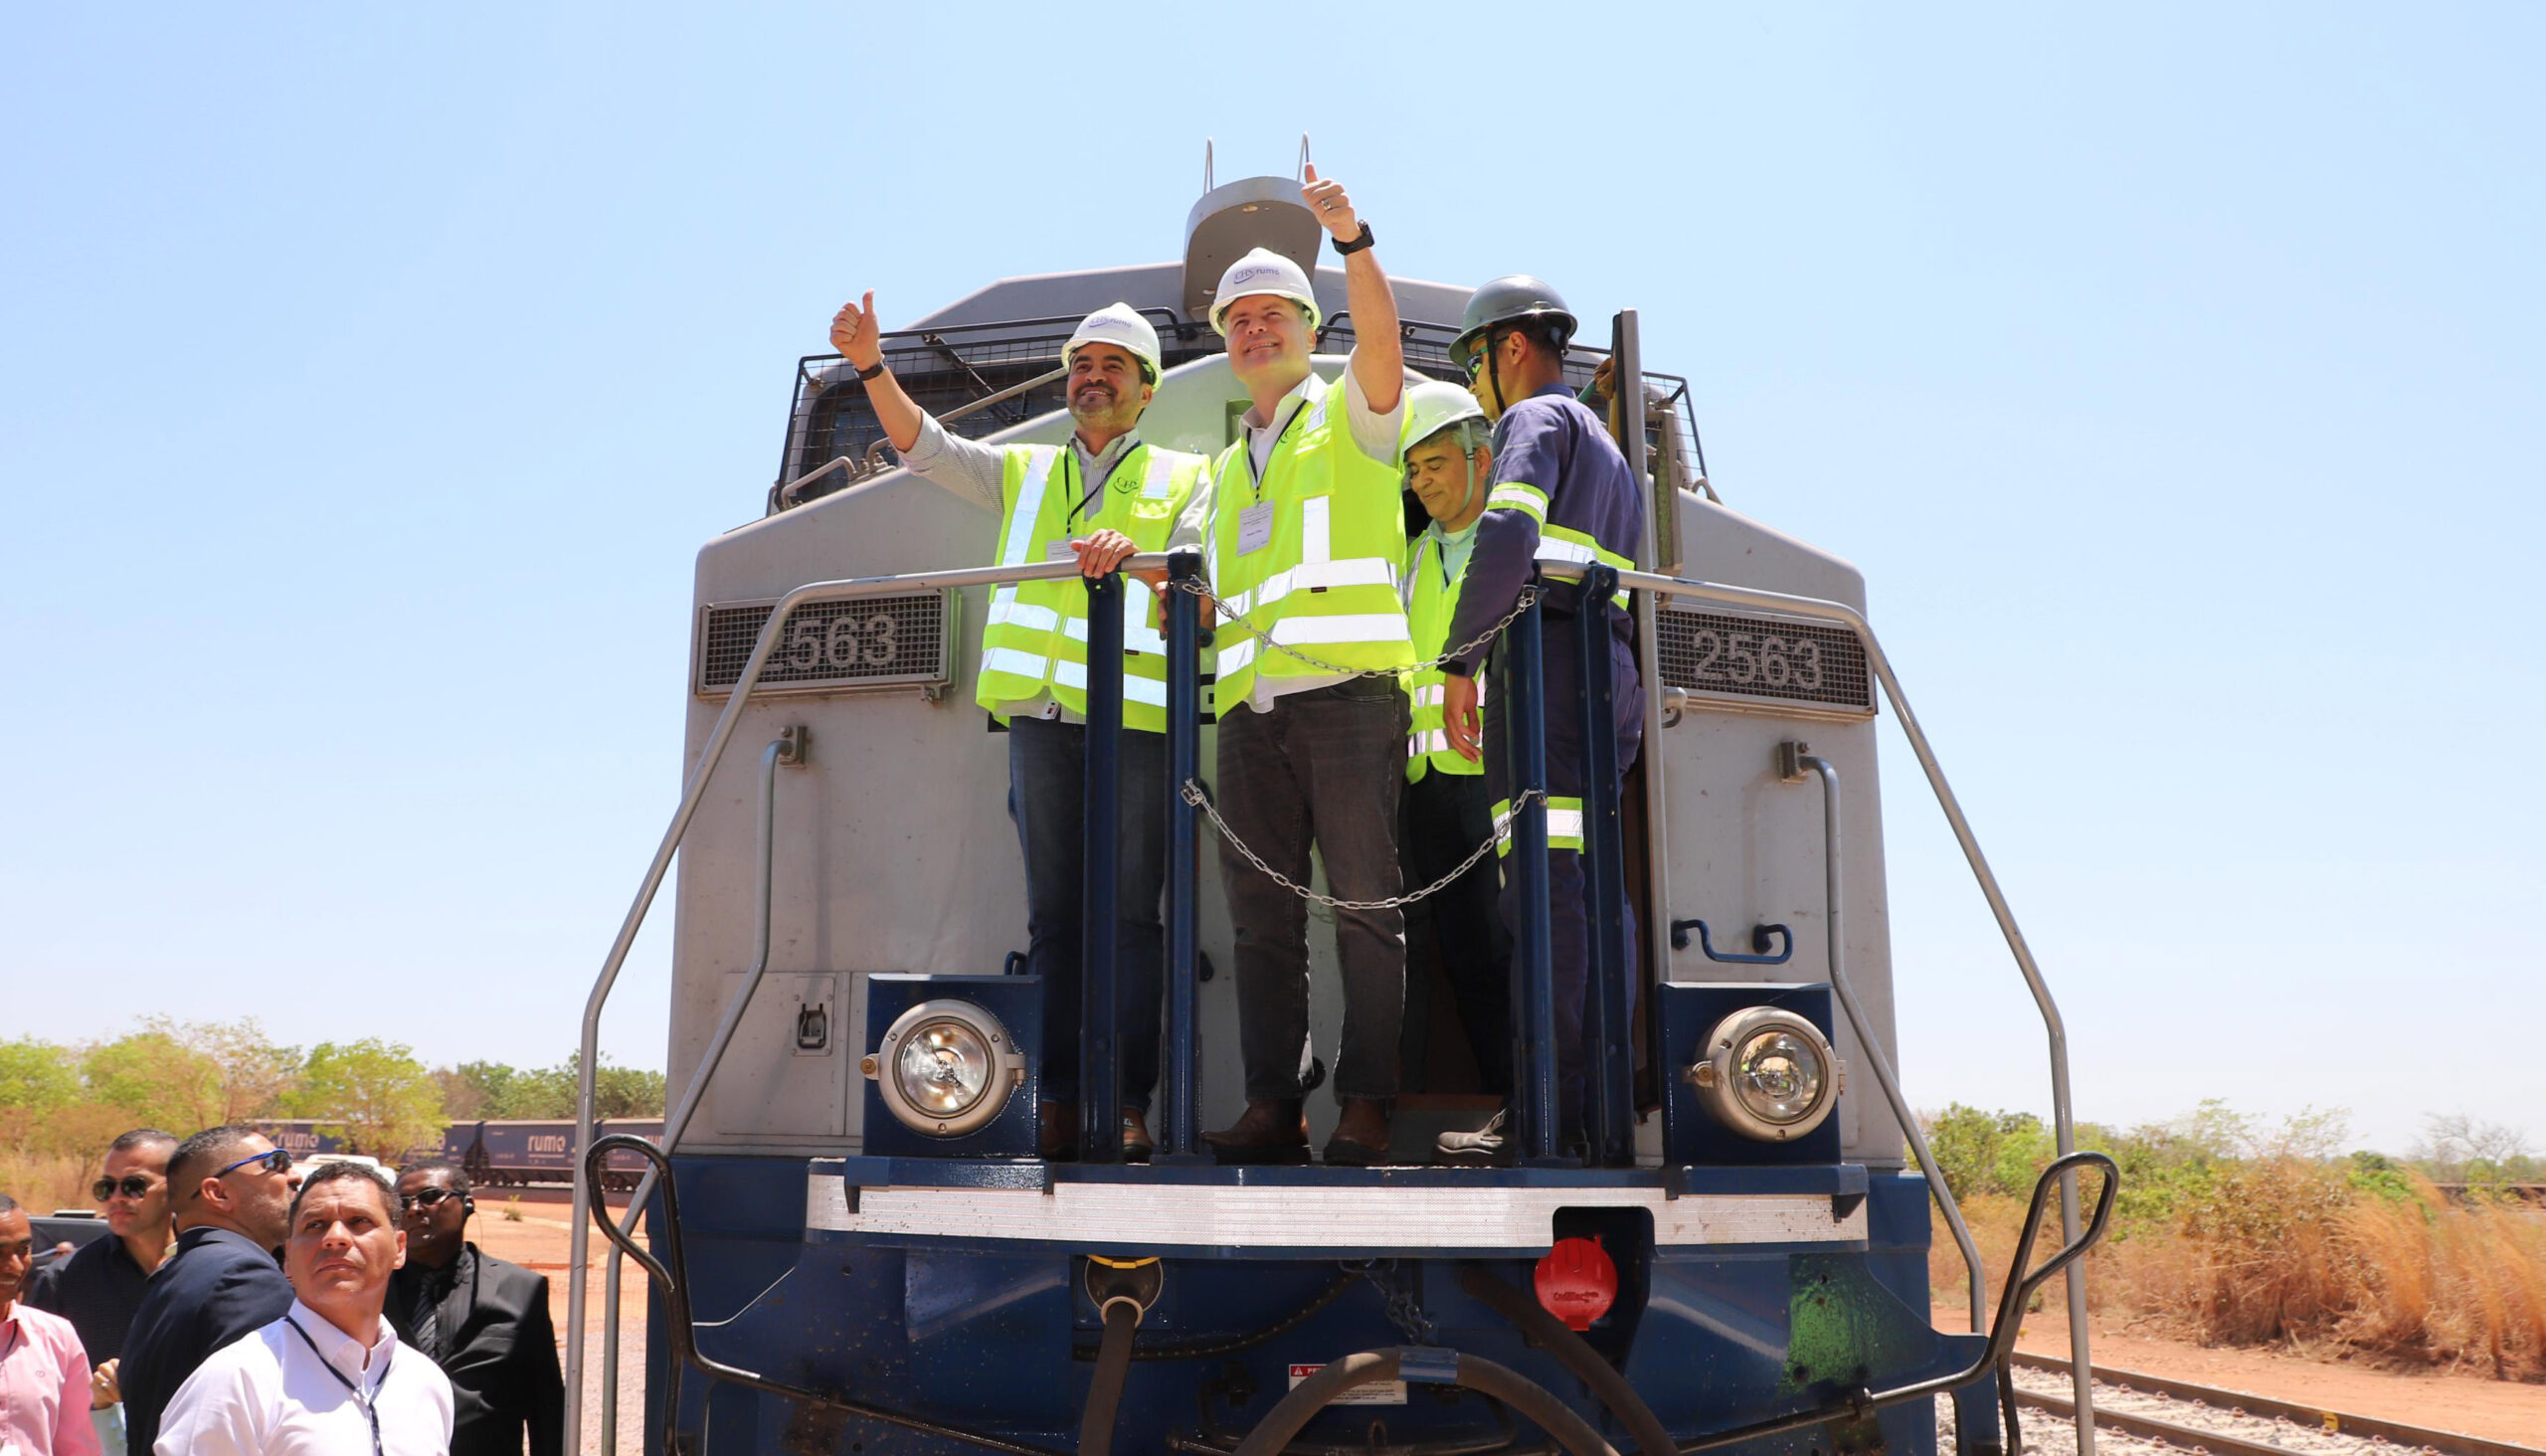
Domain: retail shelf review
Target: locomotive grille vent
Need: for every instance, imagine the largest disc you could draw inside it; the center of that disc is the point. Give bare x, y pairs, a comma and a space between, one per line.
1770, 660
872, 641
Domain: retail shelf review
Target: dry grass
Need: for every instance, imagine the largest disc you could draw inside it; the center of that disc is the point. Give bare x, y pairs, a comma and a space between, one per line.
2288, 1251
44, 1182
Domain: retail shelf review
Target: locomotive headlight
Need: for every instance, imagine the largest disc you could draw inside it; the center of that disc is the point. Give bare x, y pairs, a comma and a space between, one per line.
946, 1067
1769, 1074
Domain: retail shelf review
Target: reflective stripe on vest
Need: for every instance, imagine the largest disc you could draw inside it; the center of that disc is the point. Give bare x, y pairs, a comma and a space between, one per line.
1564, 825
1556, 543
1034, 638
1326, 580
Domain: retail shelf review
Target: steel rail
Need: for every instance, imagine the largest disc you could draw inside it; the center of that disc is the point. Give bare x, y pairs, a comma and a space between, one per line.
2063, 1119
693, 792
2149, 1427
2316, 1417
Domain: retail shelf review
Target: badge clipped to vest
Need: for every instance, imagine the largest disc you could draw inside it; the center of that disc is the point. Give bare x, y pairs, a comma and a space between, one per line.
1255, 527
1058, 549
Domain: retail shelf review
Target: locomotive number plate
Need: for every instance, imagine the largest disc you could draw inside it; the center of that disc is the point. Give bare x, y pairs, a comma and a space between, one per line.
828, 646
1738, 659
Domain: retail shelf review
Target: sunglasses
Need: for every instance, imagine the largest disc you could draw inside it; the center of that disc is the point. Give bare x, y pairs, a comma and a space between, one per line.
134, 1186
428, 1198
278, 1161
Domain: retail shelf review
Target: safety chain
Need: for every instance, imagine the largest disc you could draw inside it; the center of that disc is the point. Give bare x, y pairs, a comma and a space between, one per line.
1529, 594
1191, 791
1404, 1311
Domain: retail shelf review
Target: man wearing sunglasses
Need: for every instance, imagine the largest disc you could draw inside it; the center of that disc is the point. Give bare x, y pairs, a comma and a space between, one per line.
100, 1288
229, 1189
483, 1320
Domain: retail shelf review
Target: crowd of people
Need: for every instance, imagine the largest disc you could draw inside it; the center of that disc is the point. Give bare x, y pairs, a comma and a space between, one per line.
1367, 542
239, 1303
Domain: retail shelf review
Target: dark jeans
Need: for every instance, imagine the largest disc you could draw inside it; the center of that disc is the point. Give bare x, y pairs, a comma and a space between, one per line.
1569, 927
1047, 797
1323, 767
1446, 816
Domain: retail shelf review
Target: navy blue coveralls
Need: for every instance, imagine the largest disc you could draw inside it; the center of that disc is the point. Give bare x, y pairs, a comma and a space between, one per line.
1560, 483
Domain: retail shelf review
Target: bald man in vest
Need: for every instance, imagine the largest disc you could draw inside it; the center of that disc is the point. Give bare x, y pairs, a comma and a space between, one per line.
1051, 500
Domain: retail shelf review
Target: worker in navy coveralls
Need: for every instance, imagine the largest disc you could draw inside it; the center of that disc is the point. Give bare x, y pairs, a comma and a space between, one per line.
1561, 493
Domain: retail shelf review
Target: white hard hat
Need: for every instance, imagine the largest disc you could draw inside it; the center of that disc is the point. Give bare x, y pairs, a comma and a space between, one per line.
1263, 270
1432, 407
1121, 325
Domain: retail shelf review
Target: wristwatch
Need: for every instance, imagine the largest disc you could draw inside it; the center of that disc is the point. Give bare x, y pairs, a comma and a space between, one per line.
878, 368
1358, 244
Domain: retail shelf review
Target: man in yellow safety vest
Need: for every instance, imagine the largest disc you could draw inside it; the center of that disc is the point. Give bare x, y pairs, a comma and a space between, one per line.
1303, 532
1052, 502
1448, 814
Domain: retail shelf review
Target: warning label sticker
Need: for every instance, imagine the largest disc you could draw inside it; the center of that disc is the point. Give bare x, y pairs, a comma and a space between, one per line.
1377, 1392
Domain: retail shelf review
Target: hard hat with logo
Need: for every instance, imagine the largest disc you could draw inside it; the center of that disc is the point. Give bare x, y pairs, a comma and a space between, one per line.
1432, 407
1121, 325
1508, 299
1262, 270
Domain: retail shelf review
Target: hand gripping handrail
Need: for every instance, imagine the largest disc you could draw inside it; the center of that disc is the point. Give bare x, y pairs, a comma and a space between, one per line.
693, 792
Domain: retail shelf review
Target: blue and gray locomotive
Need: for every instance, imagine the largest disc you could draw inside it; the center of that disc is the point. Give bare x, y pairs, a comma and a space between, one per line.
853, 1243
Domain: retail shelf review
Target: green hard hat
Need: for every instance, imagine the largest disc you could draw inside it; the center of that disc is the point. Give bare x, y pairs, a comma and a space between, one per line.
1508, 299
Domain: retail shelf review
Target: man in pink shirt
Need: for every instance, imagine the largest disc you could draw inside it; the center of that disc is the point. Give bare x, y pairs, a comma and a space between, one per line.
44, 1374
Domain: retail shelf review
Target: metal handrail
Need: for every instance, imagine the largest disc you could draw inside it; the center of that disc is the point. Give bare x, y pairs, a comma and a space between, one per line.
1884, 1076
2063, 1120
696, 1092
693, 792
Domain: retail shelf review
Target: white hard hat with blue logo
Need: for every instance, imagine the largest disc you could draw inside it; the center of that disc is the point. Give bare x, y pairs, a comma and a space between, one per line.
1262, 270
1121, 325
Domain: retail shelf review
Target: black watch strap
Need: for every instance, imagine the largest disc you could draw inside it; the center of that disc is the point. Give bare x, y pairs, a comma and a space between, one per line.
871, 371
1358, 244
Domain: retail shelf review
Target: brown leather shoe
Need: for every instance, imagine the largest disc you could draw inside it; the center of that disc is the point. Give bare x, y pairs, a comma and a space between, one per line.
1056, 1134
1274, 1131
1361, 1134
1136, 1143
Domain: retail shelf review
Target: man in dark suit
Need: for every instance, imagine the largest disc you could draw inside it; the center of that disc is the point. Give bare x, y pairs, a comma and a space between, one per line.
483, 1320
230, 1191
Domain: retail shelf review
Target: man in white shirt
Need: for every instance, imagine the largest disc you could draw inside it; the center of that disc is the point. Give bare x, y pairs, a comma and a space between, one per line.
324, 1379
1302, 530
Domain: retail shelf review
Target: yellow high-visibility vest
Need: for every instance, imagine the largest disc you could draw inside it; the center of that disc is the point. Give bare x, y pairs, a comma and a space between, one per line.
1036, 640
1431, 603
1309, 554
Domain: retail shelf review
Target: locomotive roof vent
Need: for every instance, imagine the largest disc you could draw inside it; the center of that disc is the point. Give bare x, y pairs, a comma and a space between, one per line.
1252, 212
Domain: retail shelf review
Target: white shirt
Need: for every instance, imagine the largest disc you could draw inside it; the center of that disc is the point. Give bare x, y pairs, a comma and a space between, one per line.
269, 1393
1374, 433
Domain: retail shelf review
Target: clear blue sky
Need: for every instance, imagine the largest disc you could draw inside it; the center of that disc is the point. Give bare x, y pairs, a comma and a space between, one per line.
367, 384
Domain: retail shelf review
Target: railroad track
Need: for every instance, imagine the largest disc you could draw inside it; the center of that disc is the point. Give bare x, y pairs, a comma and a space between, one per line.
2184, 1416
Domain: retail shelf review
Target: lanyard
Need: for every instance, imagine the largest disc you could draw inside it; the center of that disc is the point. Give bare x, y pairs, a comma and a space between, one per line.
1253, 477
370, 1407
1070, 470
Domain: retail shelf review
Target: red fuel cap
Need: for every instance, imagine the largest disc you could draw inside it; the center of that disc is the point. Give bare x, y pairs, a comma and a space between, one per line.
1576, 1282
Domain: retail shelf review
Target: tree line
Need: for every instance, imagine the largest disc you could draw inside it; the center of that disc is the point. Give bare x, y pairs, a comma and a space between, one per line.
73, 1098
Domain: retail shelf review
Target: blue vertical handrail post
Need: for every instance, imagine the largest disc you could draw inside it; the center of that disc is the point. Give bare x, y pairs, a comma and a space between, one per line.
1183, 847
1532, 958
1604, 882
1100, 1092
